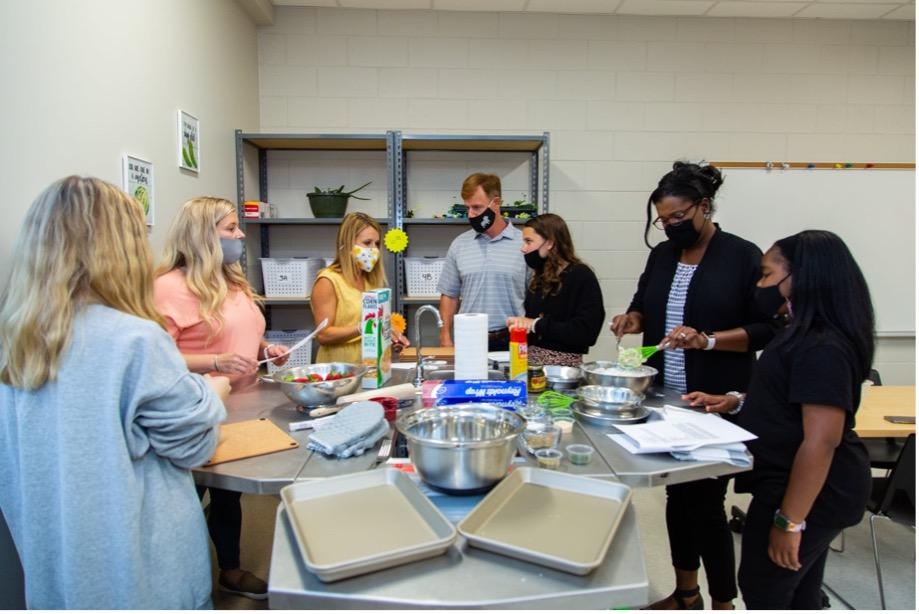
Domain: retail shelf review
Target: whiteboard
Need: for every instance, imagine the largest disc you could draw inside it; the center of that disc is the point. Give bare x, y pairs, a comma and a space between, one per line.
872, 210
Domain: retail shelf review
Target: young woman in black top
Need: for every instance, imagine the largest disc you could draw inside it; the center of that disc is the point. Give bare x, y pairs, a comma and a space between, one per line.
811, 476
563, 303
697, 294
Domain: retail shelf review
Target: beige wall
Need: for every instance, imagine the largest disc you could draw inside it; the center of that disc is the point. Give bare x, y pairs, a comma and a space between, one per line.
621, 96
84, 82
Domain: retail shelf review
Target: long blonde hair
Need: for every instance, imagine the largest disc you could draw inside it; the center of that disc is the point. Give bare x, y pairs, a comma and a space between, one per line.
193, 243
83, 241
351, 226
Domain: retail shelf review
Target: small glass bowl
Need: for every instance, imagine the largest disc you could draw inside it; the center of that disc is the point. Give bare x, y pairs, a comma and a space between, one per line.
547, 436
549, 458
579, 453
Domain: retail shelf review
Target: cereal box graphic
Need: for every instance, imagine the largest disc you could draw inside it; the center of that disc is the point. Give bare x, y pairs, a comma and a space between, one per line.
376, 345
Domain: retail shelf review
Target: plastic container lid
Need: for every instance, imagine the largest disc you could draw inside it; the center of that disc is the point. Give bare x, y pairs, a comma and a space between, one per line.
579, 453
549, 458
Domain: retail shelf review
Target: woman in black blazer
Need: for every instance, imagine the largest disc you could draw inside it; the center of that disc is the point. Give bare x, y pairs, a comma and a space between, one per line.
697, 294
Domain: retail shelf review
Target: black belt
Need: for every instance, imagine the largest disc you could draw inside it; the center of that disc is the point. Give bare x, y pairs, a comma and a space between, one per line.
498, 334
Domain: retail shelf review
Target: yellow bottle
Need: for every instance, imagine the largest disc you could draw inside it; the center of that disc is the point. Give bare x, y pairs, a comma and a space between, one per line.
518, 351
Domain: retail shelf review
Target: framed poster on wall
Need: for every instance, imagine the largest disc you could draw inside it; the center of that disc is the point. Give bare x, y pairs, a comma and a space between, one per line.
137, 179
189, 142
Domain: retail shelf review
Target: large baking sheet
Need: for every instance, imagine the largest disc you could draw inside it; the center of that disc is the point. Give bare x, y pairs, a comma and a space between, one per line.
555, 519
358, 523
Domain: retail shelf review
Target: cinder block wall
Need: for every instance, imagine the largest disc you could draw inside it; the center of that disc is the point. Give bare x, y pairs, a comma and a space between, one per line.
622, 96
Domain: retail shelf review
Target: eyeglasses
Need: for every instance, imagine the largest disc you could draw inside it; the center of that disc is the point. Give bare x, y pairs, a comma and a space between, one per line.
672, 220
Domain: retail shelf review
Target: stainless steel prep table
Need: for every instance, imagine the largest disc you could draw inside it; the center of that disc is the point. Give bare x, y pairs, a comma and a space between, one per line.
268, 474
465, 578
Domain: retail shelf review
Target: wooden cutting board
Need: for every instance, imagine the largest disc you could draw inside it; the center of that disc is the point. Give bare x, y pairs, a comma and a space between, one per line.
250, 438
441, 352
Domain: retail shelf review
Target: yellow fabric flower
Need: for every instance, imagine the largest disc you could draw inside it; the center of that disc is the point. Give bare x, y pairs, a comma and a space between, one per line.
397, 322
396, 240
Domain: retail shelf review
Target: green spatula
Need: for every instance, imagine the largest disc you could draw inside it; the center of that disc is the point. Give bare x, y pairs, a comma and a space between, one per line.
637, 356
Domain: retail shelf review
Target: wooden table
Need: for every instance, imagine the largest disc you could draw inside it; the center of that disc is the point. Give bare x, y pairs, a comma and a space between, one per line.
880, 401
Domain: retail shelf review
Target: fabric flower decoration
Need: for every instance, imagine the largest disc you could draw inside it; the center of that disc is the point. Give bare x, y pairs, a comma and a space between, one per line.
397, 322
396, 240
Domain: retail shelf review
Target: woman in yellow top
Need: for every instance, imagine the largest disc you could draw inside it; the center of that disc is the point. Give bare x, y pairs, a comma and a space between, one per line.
337, 292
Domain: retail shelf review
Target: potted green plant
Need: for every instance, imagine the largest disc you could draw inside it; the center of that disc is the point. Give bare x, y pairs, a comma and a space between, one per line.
332, 202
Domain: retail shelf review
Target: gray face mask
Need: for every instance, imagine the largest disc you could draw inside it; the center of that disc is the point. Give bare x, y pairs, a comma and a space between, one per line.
232, 250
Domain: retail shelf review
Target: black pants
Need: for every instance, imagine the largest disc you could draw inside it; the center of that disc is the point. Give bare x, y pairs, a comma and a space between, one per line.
499, 340
765, 585
698, 529
224, 523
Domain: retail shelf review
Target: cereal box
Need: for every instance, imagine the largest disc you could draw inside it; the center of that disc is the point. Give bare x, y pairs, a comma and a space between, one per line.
376, 345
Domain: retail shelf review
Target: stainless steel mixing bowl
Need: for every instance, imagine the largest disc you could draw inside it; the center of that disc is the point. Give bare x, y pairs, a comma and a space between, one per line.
318, 393
562, 378
637, 380
463, 448
608, 398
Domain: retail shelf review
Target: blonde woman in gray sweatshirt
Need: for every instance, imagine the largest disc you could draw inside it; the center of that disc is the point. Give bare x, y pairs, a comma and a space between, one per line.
100, 420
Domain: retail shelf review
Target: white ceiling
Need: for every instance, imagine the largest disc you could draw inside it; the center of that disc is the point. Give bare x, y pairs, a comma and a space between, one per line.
805, 9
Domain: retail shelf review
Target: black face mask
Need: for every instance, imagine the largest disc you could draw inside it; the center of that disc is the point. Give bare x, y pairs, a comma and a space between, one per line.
483, 222
769, 299
534, 260
683, 235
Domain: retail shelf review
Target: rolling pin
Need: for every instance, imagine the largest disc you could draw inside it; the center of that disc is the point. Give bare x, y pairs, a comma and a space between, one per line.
402, 392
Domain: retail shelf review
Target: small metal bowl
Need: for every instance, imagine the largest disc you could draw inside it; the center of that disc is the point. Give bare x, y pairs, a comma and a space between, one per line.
607, 373
318, 393
559, 377
609, 398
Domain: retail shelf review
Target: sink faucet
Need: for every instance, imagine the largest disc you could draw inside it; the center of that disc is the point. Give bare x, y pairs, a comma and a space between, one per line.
419, 367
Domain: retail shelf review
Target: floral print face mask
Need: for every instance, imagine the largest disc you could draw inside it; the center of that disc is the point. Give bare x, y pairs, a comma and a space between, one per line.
365, 257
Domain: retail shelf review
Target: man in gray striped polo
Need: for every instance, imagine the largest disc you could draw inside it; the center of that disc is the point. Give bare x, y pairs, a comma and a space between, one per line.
485, 271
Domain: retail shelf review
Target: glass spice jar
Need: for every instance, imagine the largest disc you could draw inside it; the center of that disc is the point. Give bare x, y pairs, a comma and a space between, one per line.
536, 378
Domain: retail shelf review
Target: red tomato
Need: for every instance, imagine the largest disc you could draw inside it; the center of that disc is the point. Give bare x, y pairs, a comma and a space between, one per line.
302, 380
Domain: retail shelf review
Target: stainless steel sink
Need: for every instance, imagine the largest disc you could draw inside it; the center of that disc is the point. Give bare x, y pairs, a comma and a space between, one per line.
493, 375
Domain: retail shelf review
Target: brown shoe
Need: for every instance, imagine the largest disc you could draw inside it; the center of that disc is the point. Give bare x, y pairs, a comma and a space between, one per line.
249, 585
679, 600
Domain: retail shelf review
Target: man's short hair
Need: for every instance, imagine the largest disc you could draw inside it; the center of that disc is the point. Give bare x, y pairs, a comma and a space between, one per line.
490, 184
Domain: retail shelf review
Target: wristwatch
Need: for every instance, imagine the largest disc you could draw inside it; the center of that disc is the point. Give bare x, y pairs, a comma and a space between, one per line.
741, 397
709, 341
782, 522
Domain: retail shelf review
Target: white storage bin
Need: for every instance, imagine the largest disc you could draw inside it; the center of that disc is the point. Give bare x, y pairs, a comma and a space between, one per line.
422, 275
292, 277
300, 357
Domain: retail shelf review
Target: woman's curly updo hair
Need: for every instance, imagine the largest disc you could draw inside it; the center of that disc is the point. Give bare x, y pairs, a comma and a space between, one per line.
688, 180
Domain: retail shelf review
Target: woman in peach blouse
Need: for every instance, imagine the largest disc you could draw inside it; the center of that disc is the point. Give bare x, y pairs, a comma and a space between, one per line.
212, 313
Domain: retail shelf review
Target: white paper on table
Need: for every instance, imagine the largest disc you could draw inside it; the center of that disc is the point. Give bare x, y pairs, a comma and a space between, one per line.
680, 431
731, 453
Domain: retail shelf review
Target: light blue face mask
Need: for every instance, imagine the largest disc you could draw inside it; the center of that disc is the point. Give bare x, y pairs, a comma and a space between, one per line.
232, 250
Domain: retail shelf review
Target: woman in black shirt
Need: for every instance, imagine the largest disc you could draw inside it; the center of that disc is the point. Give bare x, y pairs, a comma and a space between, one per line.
563, 303
696, 294
811, 475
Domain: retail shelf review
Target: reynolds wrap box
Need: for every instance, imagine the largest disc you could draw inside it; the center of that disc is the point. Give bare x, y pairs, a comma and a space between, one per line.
509, 395
376, 346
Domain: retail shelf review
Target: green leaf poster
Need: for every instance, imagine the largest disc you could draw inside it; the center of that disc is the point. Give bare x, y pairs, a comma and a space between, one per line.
137, 180
189, 142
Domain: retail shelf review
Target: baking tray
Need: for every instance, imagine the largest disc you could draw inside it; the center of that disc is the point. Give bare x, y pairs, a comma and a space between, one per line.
363, 522
550, 518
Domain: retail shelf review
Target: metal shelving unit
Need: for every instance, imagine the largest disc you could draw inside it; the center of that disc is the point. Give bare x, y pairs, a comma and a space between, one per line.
396, 145
265, 142
536, 145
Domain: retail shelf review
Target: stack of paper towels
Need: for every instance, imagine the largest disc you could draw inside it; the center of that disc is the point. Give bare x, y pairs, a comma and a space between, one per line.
470, 331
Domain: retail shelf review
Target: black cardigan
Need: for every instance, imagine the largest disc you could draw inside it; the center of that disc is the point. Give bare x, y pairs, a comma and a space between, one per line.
720, 297
572, 319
